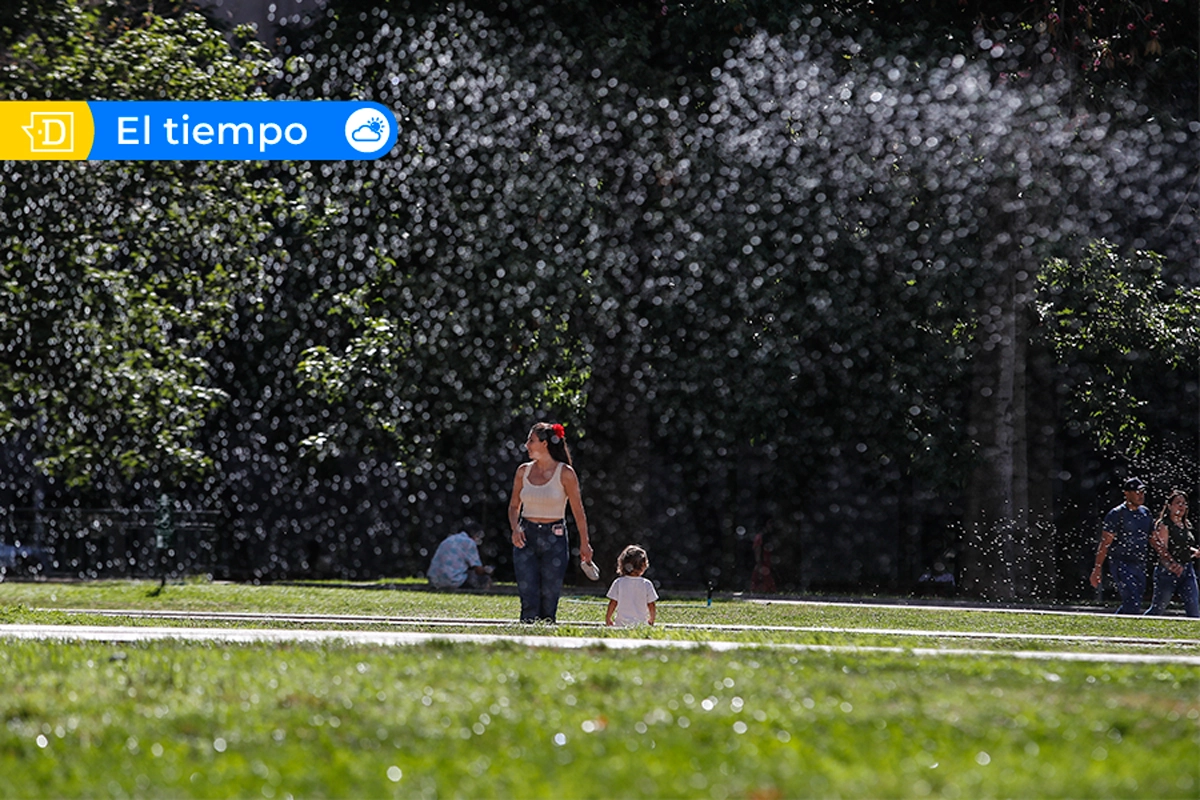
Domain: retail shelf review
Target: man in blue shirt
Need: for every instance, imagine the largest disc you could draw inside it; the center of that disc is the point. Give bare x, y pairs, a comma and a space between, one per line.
1125, 541
456, 562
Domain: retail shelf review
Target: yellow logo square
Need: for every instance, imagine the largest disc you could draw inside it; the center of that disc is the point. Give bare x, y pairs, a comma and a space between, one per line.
44, 130
51, 131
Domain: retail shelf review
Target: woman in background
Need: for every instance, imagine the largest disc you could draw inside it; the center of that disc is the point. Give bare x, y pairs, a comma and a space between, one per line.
1175, 545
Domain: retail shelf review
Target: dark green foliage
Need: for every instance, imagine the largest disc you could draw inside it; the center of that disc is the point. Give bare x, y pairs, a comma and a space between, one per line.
1113, 323
119, 277
456, 261
764, 260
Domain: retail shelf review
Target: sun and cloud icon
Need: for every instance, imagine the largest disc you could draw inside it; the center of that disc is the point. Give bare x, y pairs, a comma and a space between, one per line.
371, 132
367, 130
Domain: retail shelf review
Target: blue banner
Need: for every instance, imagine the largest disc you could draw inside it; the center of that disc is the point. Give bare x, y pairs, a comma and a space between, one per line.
291, 130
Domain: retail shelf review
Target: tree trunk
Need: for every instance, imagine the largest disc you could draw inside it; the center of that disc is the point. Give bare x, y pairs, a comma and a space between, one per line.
1044, 459
996, 544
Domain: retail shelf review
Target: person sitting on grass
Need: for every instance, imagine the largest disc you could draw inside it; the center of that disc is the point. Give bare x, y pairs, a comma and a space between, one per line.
631, 597
456, 563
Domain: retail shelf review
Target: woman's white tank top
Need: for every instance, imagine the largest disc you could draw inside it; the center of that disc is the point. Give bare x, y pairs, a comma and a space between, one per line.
548, 501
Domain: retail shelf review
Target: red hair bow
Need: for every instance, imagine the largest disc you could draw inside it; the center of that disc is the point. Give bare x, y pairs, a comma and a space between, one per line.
560, 433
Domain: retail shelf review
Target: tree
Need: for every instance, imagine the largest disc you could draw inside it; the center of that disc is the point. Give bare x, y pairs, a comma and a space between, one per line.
892, 213
1112, 321
117, 277
456, 261
831, 220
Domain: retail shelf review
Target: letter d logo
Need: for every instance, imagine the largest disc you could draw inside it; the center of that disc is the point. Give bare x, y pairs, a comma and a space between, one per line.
51, 131
45, 130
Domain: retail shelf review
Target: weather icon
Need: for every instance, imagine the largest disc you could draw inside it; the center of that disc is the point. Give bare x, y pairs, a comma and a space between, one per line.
373, 131
367, 130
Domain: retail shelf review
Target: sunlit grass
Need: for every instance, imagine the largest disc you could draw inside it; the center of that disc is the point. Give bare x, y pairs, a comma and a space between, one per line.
268, 720
198, 720
410, 607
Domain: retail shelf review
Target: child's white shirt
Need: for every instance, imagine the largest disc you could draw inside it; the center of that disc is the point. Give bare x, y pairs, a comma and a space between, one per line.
634, 596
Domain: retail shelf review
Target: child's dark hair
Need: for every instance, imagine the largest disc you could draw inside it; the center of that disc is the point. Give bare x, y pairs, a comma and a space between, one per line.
633, 559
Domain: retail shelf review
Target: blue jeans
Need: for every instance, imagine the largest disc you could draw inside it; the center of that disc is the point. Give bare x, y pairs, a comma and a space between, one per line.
1130, 577
1167, 585
541, 566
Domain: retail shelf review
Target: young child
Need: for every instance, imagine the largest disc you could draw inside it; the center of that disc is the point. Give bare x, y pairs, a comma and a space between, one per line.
631, 596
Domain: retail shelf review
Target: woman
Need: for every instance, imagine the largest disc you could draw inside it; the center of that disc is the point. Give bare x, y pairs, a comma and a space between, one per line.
541, 490
1175, 545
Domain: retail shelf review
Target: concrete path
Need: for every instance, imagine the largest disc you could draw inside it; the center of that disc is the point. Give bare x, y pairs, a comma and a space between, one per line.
715, 627
123, 633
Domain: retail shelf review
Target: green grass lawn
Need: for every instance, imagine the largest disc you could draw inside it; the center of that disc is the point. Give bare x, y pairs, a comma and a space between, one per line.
688, 619
173, 719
